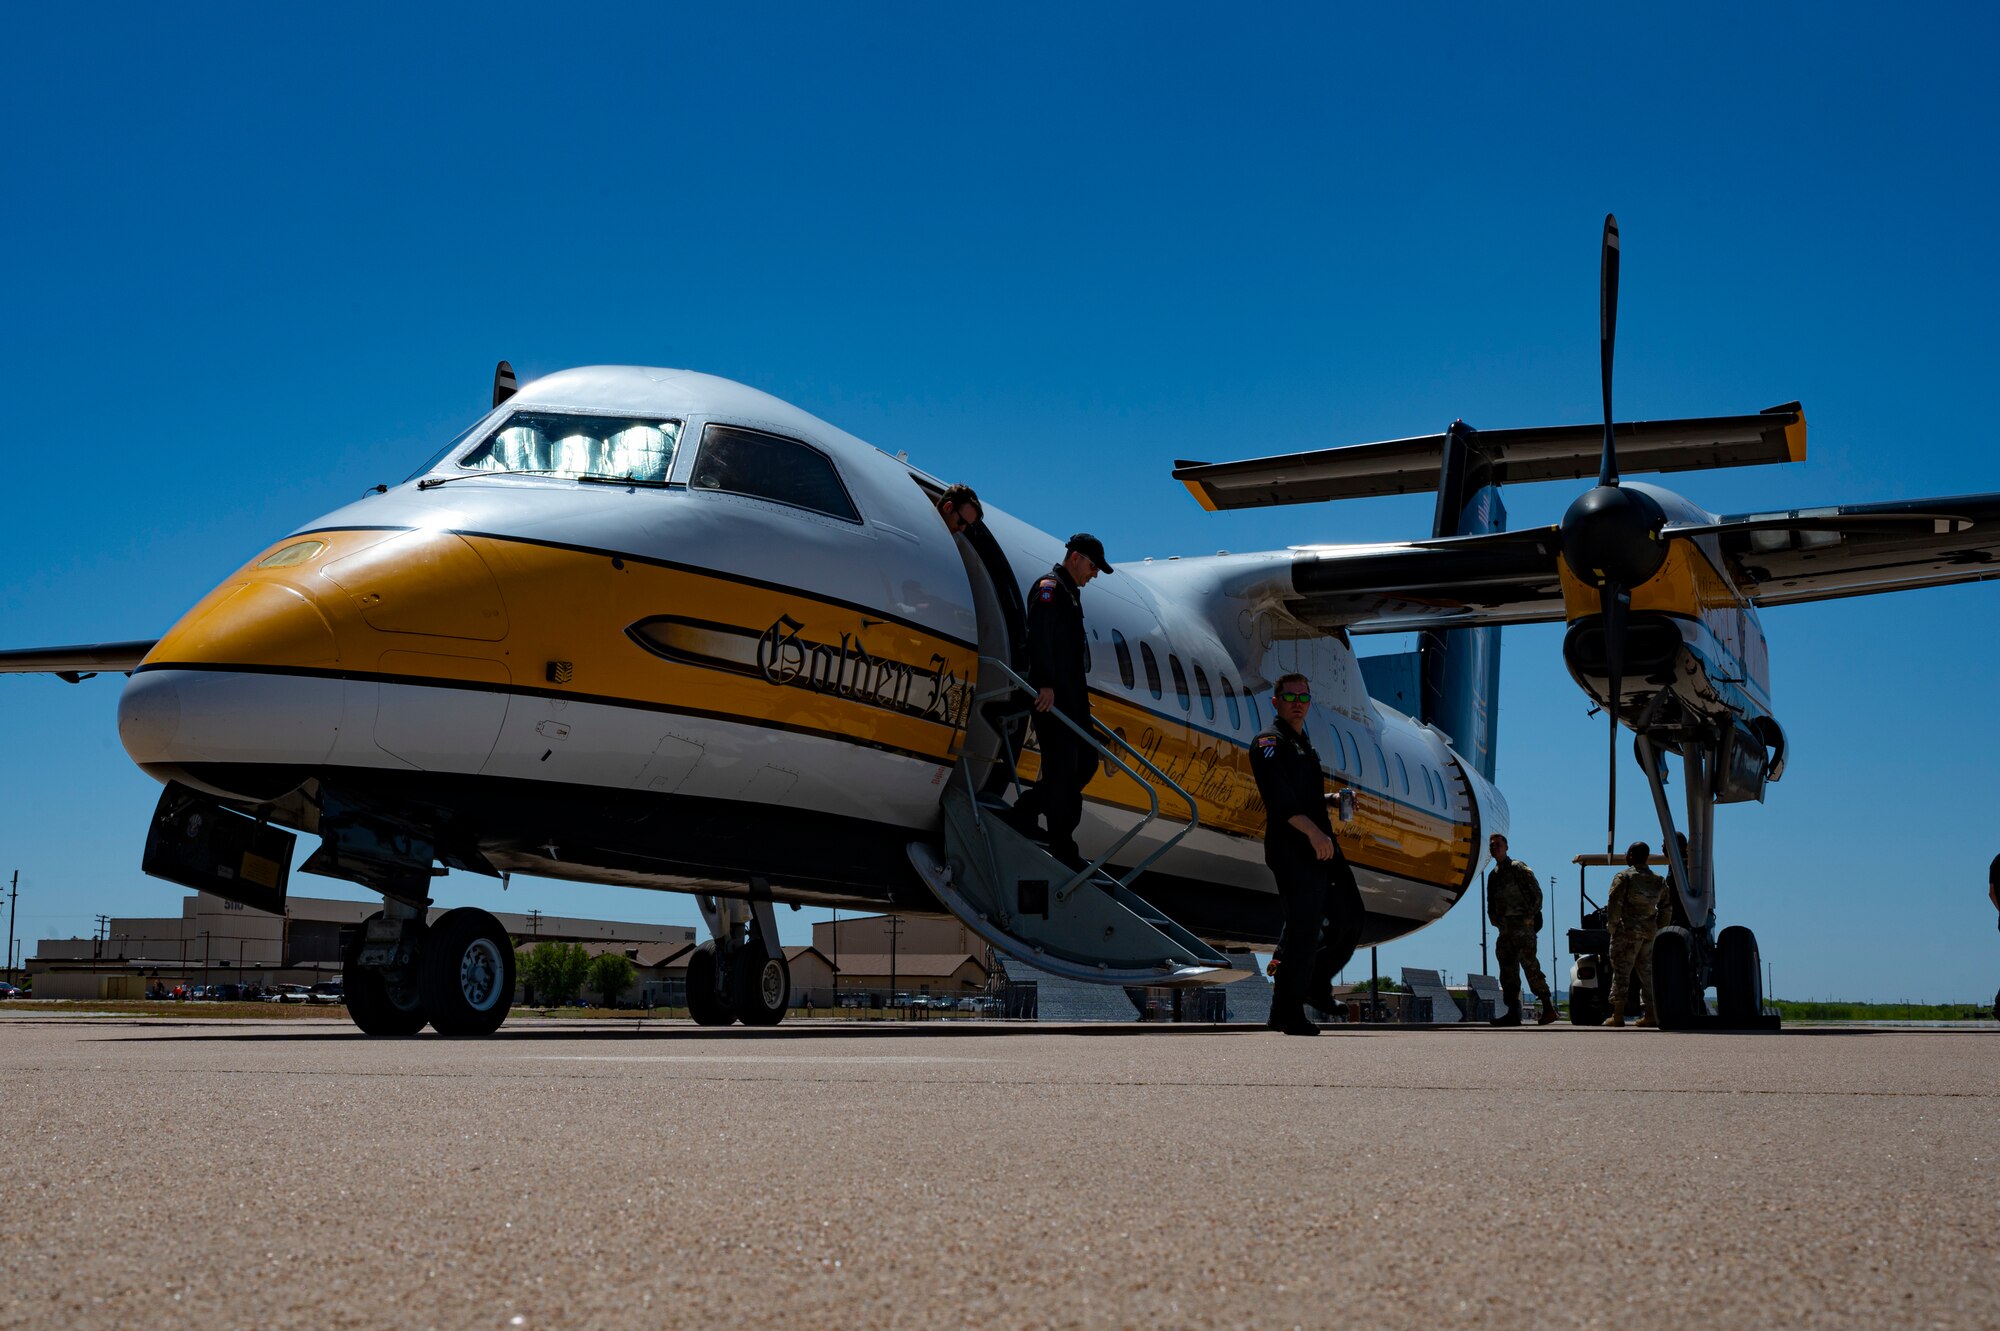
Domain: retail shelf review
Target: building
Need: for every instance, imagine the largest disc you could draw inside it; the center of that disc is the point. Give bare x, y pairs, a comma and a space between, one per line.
907, 954
222, 942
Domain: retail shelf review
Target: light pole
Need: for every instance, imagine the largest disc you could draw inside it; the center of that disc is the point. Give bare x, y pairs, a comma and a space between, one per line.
895, 932
1552, 936
13, 904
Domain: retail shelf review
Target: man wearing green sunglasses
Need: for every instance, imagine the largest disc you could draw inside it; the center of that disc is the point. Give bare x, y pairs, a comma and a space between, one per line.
1316, 887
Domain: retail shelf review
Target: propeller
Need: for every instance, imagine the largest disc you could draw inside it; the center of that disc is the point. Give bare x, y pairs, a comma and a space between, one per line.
1610, 534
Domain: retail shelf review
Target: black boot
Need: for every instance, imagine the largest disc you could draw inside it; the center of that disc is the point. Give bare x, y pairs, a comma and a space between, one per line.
1291, 1023
1329, 1007
1511, 1017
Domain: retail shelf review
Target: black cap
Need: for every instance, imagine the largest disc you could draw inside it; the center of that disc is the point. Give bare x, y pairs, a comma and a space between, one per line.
1091, 548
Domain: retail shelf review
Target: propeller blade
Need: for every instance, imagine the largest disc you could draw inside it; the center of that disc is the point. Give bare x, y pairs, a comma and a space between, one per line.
1614, 603
1607, 314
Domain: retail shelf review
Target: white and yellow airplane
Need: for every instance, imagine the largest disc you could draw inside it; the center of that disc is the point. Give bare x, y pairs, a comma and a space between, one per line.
654, 628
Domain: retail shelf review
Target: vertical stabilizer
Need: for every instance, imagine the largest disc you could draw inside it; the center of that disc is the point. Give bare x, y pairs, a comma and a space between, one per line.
1461, 667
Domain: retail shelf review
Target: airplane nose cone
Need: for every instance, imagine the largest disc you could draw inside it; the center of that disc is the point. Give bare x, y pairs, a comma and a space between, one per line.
260, 623
149, 718
241, 697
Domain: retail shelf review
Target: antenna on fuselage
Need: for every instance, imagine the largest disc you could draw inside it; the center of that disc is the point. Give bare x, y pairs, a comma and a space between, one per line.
503, 382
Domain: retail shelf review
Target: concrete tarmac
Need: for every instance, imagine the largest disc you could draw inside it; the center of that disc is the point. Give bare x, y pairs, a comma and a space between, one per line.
299, 1175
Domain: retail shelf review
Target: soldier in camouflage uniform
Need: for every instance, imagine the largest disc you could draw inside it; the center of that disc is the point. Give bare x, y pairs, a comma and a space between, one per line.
1640, 905
1514, 906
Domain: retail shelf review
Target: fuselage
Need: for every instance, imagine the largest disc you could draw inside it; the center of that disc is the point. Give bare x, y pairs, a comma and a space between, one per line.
704, 638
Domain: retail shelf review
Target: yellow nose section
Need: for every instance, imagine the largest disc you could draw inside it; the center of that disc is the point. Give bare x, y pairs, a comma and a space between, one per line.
424, 582
258, 623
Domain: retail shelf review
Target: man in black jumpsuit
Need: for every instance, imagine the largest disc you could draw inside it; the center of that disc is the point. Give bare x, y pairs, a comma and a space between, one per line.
1058, 667
1315, 885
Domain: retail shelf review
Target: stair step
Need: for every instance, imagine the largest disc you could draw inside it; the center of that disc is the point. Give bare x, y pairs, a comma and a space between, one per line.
1111, 935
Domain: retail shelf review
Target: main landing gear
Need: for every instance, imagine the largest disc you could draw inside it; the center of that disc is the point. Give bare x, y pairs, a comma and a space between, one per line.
1720, 764
455, 974
741, 973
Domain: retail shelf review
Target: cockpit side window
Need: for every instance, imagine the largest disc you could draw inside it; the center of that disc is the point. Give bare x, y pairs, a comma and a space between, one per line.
546, 443
764, 466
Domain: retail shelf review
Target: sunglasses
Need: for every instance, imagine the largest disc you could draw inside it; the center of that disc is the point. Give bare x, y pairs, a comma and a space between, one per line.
1293, 697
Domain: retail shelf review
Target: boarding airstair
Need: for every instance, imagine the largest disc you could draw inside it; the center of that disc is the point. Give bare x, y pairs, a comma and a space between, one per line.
1084, 924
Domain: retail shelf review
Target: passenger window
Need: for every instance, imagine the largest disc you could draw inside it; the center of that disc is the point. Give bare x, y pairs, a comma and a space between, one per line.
1207, 698
1152, 664
1383, 763
1229, 697
1180, 683
1353, 751
1430, 791
1256, 716
1124, 657
1403, 770
763, 466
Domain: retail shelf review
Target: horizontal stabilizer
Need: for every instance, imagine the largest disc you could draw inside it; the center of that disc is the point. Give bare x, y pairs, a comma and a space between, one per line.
75, 663
1546, 453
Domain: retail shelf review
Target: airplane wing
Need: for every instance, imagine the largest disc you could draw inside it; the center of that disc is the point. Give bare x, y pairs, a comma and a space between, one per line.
1450, 582
1781, 558
76, 663
1822, 554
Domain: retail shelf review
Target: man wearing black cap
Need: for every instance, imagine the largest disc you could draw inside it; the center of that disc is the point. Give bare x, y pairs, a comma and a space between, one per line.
1058, 667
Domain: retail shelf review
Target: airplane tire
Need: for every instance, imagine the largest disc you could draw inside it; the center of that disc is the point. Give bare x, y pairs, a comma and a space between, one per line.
1739, 974
1586, 1008
468, 970
705, 1000
1673, 980
374, 1004
763, 990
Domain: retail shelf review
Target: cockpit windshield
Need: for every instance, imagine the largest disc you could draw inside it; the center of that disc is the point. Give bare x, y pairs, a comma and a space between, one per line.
602, 447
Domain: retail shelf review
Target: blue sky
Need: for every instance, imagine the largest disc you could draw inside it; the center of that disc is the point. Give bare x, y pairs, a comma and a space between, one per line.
263, 257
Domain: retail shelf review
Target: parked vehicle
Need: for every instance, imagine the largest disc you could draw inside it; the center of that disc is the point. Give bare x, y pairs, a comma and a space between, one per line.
328, 991
12, 991
288, 993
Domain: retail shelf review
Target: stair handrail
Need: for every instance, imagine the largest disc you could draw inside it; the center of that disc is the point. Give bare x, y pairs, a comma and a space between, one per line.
1018, 684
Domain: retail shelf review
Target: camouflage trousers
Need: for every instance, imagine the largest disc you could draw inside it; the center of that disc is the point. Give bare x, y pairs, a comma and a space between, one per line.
1632, 954
1516, 953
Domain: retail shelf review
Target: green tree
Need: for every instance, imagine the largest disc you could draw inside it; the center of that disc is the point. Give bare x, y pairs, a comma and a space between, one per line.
611, 974
555, 969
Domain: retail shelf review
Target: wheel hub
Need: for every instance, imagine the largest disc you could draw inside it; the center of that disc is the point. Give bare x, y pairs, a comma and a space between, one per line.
771, 983
479, 973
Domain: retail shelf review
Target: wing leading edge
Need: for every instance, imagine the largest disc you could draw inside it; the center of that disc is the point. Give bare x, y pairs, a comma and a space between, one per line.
1822, 554
76, 663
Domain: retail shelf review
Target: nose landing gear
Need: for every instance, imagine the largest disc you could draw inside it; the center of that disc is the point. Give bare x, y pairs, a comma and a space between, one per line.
456, 975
